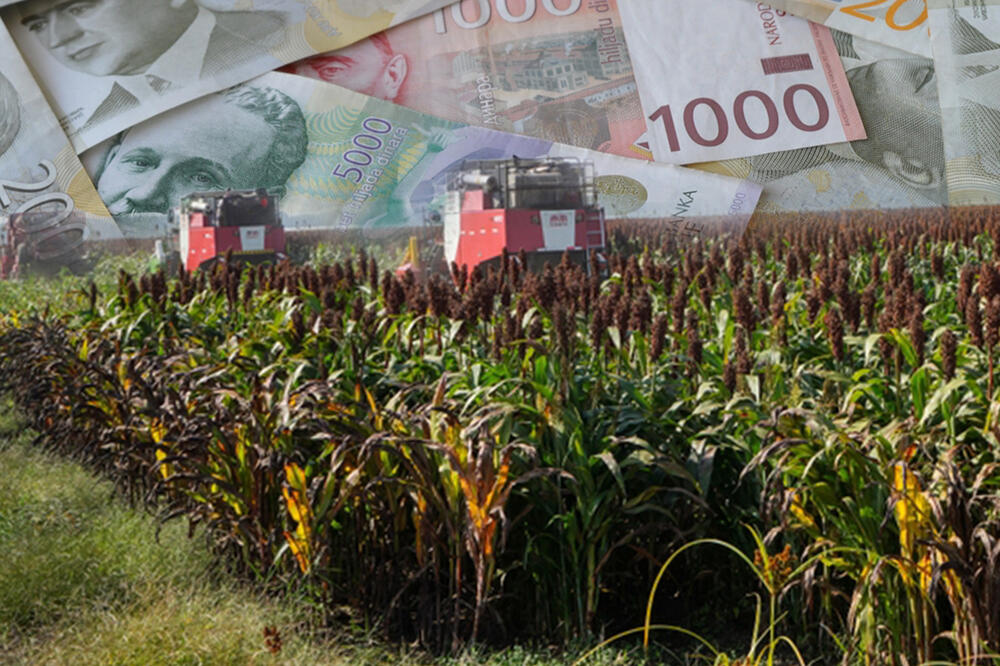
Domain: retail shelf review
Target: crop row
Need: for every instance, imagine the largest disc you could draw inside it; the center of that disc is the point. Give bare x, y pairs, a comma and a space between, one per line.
504, 454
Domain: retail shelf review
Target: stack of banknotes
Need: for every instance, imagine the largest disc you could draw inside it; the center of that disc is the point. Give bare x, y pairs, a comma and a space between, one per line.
354, 112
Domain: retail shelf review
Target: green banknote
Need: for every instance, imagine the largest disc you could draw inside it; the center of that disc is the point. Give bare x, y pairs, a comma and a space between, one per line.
340, 159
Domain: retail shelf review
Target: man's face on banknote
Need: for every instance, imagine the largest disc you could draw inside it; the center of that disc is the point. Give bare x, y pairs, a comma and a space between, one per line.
369, 67
897, 99
221, 146
107, 37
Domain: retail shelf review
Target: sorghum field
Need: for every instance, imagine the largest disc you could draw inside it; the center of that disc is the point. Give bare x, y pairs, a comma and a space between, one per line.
786, 442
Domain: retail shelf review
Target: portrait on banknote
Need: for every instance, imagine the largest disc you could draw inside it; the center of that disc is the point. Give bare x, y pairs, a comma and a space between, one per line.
10, 114
248, 137
564, 76
120, 54
371, 67
897, 98
44, 190
338, 159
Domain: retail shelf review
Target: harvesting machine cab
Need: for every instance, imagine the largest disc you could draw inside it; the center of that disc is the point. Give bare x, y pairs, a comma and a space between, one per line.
42, 241
544, 206
241, 224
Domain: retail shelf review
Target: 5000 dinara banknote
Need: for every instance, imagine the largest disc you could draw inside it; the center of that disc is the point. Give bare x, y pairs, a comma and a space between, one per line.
109, 64
966, 37
48, 205
898, 23
562, 71
340, 159
901, 163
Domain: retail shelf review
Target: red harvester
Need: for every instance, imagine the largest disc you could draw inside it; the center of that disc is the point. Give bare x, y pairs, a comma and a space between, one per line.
213, 224
544, 206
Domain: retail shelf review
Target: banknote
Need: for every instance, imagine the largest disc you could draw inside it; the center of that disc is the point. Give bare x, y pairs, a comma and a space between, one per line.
966, 40
553, 70
900, 165
340, 159
566, 72
899, 23
106, 65
735, 79
48, 205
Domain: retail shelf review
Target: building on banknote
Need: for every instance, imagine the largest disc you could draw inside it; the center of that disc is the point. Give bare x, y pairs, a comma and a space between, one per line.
248, 137
599, 118
146, 47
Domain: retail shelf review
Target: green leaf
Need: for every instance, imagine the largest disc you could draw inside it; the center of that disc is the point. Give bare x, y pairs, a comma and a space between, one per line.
903, 342
870, 343
311, 301
725, 328
616, 336
701, 463
919, 385
616, 471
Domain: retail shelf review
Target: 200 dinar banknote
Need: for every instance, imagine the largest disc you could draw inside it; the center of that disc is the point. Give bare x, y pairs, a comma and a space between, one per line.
900, 165
340, 159
966, 39
109, 64
47, 201
564, 71
899, 23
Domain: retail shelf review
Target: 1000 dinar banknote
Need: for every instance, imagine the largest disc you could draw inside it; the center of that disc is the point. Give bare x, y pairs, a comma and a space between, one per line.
898, 23
735, 79
109, 64
966, 39
566, 72
559, 71
47, 201
900, 165
340, 159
